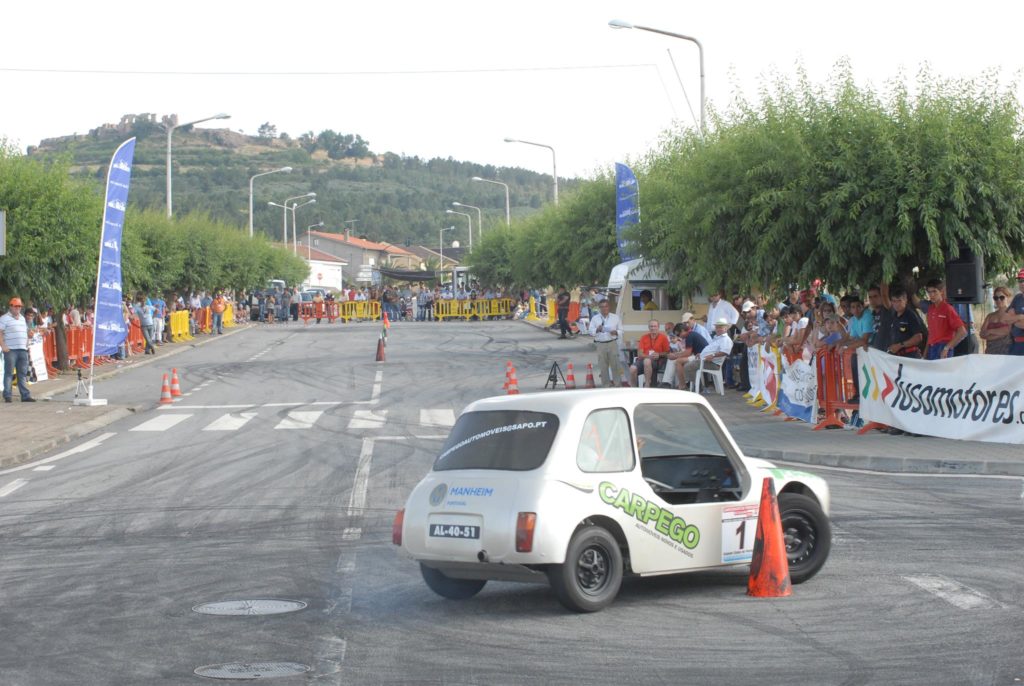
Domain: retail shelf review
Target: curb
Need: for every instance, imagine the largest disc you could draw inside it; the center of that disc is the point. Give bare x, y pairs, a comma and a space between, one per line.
24, 456
894, 465
71, 384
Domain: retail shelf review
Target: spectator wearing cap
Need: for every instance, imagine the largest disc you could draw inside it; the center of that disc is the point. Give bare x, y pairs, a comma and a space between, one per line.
793, 297
747, 336
906, 333
945, 328
714, 355
14, 344
1015, 317
652, 355
693, 344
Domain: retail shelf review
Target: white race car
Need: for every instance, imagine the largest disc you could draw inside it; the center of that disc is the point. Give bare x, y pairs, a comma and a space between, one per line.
581, 488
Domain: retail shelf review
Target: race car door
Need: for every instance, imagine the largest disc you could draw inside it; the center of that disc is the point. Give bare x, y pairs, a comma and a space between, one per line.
700, 509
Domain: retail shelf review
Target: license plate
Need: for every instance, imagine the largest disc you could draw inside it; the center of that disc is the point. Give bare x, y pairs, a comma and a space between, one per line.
454, 531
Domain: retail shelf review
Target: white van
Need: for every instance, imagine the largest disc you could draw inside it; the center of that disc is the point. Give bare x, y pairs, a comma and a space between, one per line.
626, 285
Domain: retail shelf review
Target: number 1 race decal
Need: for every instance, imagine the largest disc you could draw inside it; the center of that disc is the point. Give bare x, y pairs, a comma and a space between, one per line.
739, 523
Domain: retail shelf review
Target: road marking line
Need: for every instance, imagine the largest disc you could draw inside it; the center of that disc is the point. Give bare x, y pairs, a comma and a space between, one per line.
357, 500
378, 380
299, 420
437, 417
162, 423
255, 405
954, 593
437, 437
230, 422
12, 487
872, 472
44, 468
88, 445
367, 419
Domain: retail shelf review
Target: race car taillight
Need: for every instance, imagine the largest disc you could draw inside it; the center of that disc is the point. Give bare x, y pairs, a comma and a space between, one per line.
525, 524
396, 527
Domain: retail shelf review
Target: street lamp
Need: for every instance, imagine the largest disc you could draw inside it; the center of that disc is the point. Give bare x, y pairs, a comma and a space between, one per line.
554, 166
284, 215
309, 241
508, 207
479, 219
295, 227
253, 178
619, 24
440, 240
469, 218
170, 130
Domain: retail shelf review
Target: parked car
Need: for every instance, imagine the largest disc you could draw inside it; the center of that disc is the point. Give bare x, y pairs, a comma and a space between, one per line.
581, 489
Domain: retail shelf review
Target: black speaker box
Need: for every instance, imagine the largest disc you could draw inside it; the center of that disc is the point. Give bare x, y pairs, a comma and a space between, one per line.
965, 278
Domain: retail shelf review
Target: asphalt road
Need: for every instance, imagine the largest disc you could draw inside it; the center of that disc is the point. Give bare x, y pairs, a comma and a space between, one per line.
278, 477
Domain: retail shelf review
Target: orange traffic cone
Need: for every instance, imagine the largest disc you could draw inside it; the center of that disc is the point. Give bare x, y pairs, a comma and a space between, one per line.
590, 377
769, 569
387, 322
380, 349
570, 379
508, 375
175, 386
513, 383
165, 393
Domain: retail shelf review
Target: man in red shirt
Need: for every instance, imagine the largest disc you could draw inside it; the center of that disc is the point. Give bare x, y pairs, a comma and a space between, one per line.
945, 328
652, 353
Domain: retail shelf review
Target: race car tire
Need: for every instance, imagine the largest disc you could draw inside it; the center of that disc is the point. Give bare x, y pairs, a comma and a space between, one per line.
808, 535
447, 587
592, 574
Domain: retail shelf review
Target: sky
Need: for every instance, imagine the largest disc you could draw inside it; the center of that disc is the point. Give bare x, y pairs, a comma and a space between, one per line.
453, 78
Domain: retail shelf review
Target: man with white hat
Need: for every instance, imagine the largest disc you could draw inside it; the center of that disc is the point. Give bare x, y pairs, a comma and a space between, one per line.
714, 355
14, 344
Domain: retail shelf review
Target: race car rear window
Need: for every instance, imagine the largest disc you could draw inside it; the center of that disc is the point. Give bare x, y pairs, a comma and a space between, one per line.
515, 440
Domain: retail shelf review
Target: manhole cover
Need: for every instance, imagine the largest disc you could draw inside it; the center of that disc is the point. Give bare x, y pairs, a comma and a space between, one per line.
252, 670
260, 606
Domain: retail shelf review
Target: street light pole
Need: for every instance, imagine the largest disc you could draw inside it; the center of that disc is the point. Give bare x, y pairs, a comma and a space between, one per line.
554, 165
479, 219
309, 241
170, 130
295, 227
469, 218
284, 215
508, 207
253, 178
619, 24
440, 240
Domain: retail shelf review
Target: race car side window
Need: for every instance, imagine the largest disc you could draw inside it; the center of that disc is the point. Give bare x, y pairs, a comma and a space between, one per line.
606, 444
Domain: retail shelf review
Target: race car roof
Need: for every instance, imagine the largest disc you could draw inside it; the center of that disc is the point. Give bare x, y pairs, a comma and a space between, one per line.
562, 402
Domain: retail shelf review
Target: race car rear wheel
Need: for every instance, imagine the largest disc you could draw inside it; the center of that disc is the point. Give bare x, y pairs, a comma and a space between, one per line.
447, 587
592, 574
808, 535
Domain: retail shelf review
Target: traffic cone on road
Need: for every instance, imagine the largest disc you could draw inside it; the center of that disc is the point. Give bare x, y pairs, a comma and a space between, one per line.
508, 375
769, 568
175, 386
590, 377
513, 383
570, 379
387, 322
165, 393
380, 349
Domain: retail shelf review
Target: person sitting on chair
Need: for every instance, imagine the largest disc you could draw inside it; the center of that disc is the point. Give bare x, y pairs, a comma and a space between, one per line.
714, 355
652, 353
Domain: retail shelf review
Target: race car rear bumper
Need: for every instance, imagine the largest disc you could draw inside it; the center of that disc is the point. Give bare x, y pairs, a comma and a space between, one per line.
487, 570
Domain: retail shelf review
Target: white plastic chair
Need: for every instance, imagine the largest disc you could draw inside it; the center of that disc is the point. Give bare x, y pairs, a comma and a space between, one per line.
716, 375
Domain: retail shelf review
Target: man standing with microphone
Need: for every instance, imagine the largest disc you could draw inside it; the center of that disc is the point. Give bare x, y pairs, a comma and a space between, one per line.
606, 328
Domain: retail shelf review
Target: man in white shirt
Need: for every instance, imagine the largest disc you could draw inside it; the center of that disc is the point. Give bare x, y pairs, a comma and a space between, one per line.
721, 308
606, 328
714, 355
14, 344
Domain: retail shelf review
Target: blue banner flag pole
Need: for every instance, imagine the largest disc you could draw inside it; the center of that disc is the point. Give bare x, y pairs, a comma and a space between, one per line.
109, 329
627, 208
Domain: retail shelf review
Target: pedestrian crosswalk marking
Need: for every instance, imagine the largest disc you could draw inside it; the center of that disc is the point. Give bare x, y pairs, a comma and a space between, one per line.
162, 423
442, 417
299, 420
368, 419
230, 422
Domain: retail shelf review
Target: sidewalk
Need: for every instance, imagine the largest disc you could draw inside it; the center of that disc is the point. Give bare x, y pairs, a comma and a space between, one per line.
37, 428
772, 438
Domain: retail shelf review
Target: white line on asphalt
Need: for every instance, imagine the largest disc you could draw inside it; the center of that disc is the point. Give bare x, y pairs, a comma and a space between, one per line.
440, 417
162, 422
437, 437
368, 419
357, 500
230, 422
44, 468
88, 445
320, 403
872, 472
378, 380
12, 487
299, 420
955, 593
205, 407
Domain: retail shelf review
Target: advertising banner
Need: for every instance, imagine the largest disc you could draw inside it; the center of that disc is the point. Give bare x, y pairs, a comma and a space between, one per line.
110, 327
976, 397
754, 374
37, 359
627, 208
769, 376
798, 390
